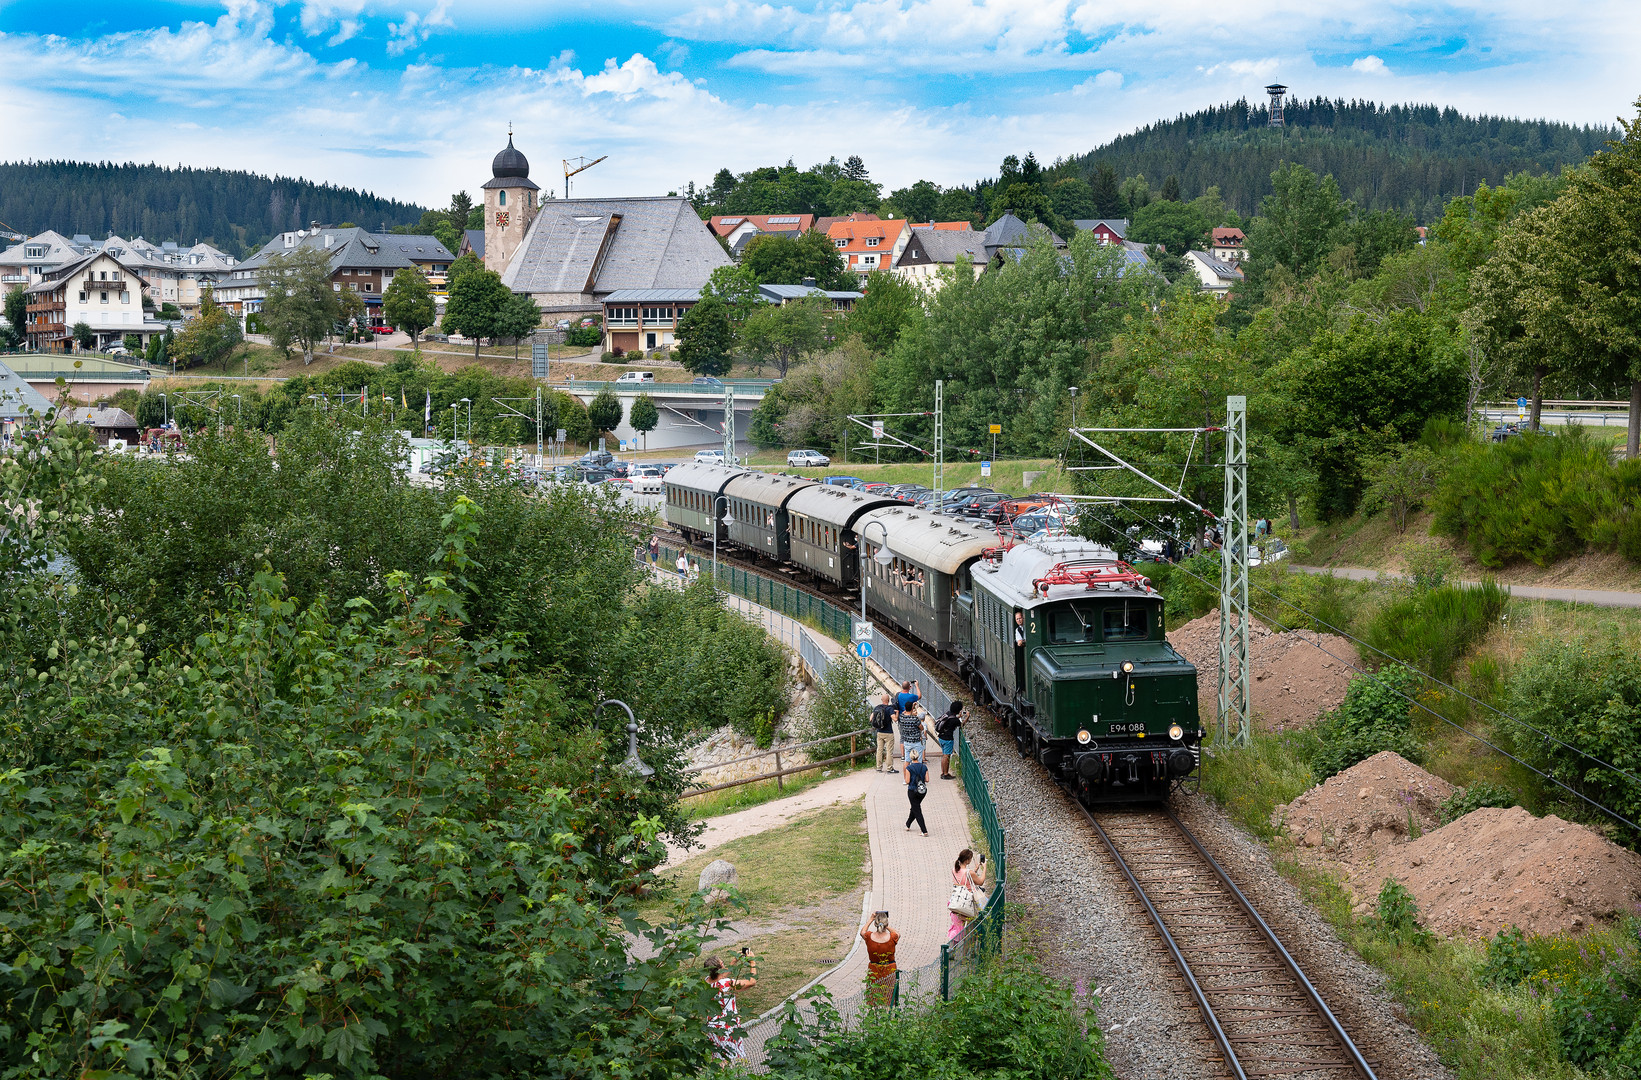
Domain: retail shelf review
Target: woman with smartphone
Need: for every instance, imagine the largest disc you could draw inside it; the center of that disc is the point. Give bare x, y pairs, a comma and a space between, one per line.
880, 958
725, 1029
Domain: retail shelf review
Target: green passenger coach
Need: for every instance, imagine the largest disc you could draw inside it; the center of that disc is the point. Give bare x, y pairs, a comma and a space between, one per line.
1069, 643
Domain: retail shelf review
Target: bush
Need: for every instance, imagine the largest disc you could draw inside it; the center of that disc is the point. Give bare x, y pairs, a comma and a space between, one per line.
1585, 692
1396, 917
587, 337
1375, 717
1541, 497
1509, 959
839, 704
1432, 630
1475, 797
1190, 588
1594, 1012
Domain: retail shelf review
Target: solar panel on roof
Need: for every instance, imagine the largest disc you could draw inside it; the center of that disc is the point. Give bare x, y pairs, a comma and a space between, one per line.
784, 220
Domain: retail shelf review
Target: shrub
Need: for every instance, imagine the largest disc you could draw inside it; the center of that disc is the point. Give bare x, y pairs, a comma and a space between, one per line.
838, 706
1594, 1012
1541, 497
1397, 917
583, 336
1585, 692
1478, 795
1509, 959
1432, 630
1375, 716
1190, 588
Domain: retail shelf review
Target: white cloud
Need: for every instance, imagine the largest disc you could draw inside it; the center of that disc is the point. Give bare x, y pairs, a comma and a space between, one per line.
417, 28
1369, 65
1108, 80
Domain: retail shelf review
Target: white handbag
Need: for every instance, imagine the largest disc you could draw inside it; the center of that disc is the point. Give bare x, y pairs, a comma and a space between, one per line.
963, 902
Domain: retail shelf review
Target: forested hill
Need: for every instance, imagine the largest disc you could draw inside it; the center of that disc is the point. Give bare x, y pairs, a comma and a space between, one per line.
236, 211
1405, 157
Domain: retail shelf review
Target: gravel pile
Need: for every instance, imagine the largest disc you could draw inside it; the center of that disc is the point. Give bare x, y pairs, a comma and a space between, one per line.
1294, 681
1089, 931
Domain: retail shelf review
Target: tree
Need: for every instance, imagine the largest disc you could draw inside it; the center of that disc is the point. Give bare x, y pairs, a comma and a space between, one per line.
519, 318
299, 305
476, 302
133, 344
644, 416
1073, 199
785, 334
211, 336
889, 305
408, 303
958, 204
918, 202
351, 313
706, 339
854, 168
785, 260
1135, 192
16, 312
850, 196
83, 335
736, 286
1401, 480
605, 411
1108, 201
464, 265
1170, 189
1025, 201
1297, 223
159, 345
1177, 226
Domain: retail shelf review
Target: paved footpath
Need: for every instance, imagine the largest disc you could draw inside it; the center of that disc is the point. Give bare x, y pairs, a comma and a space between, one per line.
1593, 597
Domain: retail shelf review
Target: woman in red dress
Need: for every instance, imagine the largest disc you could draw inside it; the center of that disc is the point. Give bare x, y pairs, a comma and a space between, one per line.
724, 1029
880, 959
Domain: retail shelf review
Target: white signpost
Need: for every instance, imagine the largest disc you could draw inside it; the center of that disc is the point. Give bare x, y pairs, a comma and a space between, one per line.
985, 468
863, 631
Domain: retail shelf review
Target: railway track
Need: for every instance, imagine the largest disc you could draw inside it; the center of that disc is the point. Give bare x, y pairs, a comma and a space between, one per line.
1266, 1018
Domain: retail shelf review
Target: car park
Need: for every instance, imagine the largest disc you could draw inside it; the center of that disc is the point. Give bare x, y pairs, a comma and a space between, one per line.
843, 481
908, 492
635, 377
596, 459
807, 459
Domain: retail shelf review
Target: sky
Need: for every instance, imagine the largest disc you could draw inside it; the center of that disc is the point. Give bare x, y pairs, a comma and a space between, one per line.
412, 100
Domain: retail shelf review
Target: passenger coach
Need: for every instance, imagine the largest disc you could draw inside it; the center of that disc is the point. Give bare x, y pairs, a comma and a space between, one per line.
692, 499
821, 524
757, 506
930, 564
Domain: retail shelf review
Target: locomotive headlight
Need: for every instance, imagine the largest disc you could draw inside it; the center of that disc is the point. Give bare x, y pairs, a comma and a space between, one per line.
1083, 736
1176, 732
1128, 665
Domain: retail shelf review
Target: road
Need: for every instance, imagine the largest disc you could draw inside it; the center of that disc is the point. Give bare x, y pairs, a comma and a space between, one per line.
1593, 597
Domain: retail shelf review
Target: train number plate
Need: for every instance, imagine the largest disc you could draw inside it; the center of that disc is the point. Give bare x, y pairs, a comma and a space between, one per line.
1124, 729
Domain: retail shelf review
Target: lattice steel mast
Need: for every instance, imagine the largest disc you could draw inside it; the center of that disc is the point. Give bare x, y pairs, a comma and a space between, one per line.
1235, 689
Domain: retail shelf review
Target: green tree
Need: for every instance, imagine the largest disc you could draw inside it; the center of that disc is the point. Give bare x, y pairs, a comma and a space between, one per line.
83, 335
644, 416
1073, 199
299, 305
1135, 192
1178, 227
958, 204
916, 203
889, 305
408, 303
1107, 194
1297, 223
351, 313
572, 417
1520, 313
785, 260
706, 340
519, 318
850, 196
737, 287
1025, 201
605, 411
16, 312
464, 265
1401, 480
212, 335
477, 299
159, 344
785, 334
133, 344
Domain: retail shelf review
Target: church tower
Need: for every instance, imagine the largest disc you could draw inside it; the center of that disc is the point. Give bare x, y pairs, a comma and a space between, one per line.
510, 204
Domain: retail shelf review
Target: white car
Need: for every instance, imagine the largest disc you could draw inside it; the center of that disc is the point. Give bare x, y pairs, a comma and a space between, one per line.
714, 457
646, 479
637, 377
808, 459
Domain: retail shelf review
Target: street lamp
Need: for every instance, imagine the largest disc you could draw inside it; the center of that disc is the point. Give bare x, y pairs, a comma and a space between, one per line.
728, 521
454, 422
239, 414
165, 412
883, 558
1073, 406
469, 419
633, 764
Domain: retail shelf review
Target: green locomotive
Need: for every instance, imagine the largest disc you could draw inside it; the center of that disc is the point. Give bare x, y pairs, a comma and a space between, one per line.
1069, 644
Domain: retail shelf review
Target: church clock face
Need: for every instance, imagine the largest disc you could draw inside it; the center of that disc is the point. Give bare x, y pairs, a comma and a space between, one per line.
502, 218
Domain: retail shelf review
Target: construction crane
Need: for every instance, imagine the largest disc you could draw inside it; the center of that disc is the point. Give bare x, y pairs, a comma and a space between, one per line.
582, 165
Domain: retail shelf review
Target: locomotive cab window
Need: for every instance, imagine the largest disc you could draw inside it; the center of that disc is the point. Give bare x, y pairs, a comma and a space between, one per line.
1071, 626
1126, 623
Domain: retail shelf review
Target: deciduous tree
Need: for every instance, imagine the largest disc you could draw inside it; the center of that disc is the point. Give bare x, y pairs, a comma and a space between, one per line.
785, 260
211, 336
299, 306
644, 416
16, 312
605, 411
785, 334
889, 305
408, 303
706, 340
476, 302
519, 317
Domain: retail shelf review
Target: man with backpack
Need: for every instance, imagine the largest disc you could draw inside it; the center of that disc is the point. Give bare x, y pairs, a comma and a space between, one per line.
945, 732
883, 723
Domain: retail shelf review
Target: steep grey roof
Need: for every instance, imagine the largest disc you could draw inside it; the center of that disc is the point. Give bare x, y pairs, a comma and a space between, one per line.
945, 245
104, 418
354, 247
601, 245
1224, 269
17, 397
1009, 231
1116, 225
59, 250
55, 277
475, 241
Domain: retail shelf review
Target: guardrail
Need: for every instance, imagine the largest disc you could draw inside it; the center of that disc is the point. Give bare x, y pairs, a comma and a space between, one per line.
740, 386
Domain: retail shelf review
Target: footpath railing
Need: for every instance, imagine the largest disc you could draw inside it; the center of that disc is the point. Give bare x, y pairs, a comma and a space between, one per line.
983, 937
774, 595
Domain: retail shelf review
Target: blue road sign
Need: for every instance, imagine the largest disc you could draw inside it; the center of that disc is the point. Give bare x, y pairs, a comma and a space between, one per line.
1521, 403
863, 649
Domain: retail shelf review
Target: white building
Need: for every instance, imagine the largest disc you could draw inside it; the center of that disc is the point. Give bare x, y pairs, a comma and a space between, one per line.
98, 290
1218, 276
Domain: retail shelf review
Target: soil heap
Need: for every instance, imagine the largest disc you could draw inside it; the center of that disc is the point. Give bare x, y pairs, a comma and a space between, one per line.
1381, 818
1294, 681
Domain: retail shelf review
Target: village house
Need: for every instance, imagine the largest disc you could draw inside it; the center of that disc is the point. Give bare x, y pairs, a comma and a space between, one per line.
360, 262
933, 246
98, 290
869, 245
737, 230
837, 299
644, 320
1010, 236
1105, 230
1227, 245
1218, 276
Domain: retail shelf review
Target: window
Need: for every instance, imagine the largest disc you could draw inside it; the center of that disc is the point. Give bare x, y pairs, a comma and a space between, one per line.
872, 241
1069, 626
1126, 623
347, 272
622, 316
336, 286
125, 298
658, 315
82, 296
840, 243
868, 260
501, 199
104, 297
35, 251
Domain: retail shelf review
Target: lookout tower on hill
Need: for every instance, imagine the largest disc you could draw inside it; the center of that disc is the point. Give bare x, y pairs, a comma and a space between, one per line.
1277, 92
510, 204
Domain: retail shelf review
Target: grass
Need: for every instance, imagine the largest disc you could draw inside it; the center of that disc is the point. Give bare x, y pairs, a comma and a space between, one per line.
750, 795
787, 960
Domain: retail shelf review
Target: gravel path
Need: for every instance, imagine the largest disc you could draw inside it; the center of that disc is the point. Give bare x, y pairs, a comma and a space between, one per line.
1089, 930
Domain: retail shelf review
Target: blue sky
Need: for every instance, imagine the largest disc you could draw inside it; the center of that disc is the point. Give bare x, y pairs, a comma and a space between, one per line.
411, 99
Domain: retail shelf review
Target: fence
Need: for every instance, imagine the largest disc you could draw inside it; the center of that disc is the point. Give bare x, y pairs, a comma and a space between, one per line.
776, 596
983, 937
902, 668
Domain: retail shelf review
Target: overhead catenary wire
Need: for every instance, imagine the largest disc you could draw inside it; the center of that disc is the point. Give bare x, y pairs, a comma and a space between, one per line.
1615, 815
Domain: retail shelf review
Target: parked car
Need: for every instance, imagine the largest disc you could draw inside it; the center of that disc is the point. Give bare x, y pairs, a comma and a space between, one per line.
622, 469
707, 381
715, 457
959, 499
1272, 550
636, 377
381, 330
876, 488
808, 459
908, 492
646, 479
843, 481
596, 459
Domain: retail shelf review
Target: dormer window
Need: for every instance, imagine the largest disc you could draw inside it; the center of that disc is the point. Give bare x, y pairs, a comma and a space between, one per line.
871, 241
841, 243
34, 251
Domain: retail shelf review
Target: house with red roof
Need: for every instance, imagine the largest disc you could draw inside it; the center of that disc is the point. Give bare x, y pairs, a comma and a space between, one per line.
871, 245
1228, 245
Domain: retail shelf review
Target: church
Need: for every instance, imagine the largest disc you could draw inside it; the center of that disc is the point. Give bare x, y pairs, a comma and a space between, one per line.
570, 254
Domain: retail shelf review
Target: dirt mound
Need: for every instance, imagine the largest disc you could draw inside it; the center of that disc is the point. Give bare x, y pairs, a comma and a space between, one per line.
1361, 813
1493, 868
1294, 681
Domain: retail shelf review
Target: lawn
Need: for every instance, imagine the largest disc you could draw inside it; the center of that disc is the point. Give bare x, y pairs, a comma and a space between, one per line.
800, 883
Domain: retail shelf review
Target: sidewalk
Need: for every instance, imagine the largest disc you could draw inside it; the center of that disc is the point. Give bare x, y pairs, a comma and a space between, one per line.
1593, 597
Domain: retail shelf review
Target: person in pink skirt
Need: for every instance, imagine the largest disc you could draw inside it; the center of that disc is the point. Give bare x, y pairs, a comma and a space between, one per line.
972, 875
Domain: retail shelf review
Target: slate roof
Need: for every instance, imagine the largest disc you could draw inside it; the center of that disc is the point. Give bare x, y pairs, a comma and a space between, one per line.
945, 245
599, 246
474, 241
356, 248
1009, 231
60, 249
1224, 269
104, 418
57, 275
17, 397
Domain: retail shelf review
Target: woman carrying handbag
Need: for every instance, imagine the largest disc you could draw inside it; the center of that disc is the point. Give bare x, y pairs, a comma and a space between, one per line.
965, 902
917, 786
